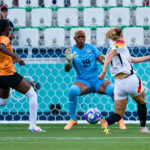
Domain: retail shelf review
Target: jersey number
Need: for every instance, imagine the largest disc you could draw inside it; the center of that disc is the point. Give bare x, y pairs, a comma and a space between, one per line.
86, 63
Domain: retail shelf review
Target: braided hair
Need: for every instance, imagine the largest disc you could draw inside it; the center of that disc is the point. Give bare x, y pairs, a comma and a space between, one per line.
3, 25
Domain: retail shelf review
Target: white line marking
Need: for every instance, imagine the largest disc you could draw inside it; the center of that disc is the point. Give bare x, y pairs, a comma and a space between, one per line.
62, 127
69, 138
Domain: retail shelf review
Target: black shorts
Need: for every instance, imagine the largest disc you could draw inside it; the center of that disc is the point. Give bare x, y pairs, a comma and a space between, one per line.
10, 81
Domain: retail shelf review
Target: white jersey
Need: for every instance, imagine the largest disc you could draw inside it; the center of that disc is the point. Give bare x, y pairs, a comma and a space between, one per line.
122, 61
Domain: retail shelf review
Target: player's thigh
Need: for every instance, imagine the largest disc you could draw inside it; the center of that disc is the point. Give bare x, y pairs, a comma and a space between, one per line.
103, 85
139, 99
4, 93
23, 86
120, 106
83, 87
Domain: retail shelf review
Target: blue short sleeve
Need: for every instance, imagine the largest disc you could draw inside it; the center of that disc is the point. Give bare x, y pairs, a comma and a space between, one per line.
96, 51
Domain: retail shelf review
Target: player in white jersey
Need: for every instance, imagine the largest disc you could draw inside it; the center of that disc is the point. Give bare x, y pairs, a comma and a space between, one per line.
126, 82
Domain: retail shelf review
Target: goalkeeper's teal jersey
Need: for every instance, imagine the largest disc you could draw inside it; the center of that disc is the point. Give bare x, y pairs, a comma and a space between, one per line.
85, 62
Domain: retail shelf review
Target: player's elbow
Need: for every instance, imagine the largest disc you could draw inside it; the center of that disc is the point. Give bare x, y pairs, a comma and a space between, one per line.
67, 70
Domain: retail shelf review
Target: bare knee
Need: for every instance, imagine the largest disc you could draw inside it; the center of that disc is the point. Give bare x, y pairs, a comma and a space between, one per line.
83, 87
103, 87
140, 99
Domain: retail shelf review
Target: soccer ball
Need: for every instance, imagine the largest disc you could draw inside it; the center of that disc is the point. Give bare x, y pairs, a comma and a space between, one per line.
93, 115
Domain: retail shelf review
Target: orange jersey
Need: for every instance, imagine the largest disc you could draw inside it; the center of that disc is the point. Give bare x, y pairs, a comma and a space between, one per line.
6, 62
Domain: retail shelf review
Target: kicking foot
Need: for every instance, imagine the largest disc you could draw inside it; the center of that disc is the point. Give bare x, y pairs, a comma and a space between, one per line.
144, 130
122, 125
104, 126
35, 129
70, 124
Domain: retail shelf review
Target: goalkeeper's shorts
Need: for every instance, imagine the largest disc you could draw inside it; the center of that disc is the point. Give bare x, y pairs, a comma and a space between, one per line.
93, 84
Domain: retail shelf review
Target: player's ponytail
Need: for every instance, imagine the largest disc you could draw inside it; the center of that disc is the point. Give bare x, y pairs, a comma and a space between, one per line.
114, 33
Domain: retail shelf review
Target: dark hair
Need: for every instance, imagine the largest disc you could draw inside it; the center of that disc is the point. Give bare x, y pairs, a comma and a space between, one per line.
3, 6
3, 25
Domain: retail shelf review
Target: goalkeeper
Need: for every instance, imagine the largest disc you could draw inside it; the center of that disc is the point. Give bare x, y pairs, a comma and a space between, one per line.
9, 78
84, 57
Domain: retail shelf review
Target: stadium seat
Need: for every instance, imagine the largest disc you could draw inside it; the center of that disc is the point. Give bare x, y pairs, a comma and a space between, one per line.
48, 3
100, 34
143, 16
67, 17
28, 37
87, 34
119, 16
133, 36
41, 17
93, 17
9, 3
106, 2
28, 3
54, 37
17, 16
77, 3
132, 3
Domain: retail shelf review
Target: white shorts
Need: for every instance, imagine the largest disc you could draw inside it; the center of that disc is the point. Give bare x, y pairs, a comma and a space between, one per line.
127, 86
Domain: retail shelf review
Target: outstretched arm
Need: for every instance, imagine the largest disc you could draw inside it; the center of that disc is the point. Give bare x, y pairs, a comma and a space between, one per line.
6, 51
101, 59
107, 61
139, 59
67, 67
69, 58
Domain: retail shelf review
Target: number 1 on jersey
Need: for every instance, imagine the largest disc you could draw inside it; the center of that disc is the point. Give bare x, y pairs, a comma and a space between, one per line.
86, 63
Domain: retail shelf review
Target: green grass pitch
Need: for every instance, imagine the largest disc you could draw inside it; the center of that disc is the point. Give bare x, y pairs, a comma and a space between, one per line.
81, 137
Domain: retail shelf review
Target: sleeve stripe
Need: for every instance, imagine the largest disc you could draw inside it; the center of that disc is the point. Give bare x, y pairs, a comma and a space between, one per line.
119, 44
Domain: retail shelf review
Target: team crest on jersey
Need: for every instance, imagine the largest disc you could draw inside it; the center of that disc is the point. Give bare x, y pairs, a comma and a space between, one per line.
89, 51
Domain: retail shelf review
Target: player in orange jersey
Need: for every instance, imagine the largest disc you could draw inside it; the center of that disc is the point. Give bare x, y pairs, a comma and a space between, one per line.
126, 81
9, 78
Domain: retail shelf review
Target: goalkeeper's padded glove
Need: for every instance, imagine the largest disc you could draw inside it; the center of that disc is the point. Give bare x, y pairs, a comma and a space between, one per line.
103, 56
69, 56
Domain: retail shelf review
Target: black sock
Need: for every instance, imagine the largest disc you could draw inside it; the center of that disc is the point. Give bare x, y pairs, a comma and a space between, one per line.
113, 118
142, 112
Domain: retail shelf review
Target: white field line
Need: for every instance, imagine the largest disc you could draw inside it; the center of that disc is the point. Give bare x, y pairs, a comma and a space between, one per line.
71, 138
59, 122
91, 127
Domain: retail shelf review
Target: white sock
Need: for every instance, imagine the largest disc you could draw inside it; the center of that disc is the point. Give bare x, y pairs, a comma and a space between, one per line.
32, 106
3, 101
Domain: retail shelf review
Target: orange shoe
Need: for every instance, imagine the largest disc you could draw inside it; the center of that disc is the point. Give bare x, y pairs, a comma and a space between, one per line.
104, 126
70, 124
122, 125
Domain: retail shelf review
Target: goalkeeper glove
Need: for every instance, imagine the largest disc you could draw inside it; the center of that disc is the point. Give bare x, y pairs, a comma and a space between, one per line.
103, 56
69, 56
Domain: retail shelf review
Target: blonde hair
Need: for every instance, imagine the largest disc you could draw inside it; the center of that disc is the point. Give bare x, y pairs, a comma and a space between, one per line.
77, 31
114, 33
